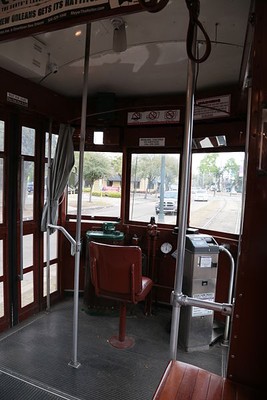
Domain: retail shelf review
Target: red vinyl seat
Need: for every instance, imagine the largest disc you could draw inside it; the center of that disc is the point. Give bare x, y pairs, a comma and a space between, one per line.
116, 273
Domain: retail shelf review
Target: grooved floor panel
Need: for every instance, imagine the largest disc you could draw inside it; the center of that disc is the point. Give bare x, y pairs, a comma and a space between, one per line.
41, 349
14, 387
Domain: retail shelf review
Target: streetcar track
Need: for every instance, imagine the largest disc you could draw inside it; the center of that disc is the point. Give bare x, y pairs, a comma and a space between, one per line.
215, 215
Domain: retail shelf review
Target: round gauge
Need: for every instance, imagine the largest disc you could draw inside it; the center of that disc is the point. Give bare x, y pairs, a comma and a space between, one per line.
166, 248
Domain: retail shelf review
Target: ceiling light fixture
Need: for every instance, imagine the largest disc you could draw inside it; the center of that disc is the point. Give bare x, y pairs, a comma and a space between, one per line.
119, 35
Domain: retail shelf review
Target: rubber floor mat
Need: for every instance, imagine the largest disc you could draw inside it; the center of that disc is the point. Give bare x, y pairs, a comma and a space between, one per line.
41, 348
16, 388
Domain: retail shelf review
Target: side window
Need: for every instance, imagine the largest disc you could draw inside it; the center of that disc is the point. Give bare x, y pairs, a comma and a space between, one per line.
154, 187
28, 171
2, 141
101, 185
54, 236
2, 136
216, 191
54, 139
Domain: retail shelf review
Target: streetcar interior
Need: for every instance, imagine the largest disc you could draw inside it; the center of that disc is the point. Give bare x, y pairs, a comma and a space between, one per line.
132, 184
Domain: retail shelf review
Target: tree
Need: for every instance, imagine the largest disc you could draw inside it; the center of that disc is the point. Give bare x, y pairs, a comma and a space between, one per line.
117, 164
226, 175
96, 166
209, 170
172, 172
148, 168
233, 170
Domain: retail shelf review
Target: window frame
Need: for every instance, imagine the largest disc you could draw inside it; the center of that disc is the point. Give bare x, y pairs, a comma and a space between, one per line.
218, 150
98, 218
150, 150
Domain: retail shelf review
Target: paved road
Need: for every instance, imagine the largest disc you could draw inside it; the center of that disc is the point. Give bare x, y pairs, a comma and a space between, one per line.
221, 212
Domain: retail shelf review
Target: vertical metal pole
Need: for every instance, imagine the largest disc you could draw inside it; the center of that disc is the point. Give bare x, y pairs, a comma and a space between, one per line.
48, 199
74, 363
230, 295
183, 202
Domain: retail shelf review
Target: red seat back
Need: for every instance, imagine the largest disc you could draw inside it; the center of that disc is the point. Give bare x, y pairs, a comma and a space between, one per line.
116, 271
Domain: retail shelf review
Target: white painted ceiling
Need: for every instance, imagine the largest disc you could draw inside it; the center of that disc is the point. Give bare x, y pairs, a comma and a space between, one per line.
155, 61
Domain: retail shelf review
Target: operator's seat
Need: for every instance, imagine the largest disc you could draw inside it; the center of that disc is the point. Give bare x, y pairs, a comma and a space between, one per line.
116, 273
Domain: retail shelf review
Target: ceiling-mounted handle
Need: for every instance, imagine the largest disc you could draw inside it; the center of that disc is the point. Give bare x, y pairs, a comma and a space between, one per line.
153, 6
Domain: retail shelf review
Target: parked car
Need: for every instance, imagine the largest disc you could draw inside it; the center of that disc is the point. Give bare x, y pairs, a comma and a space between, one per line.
169, 203
201, 195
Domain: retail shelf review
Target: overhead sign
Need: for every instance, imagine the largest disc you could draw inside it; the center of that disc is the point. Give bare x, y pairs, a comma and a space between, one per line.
153, 117
212, 107
16, 15
152, 142
19, 100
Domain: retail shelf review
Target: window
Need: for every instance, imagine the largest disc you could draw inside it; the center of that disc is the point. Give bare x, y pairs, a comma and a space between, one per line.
1, 187
98, 137
216, 191
148, 197
27, 289
53, 279
1, 277
2, 135
28, 190
52, 261
54, 139
27, 251
27, 141
101, 195
2, 142
27, 172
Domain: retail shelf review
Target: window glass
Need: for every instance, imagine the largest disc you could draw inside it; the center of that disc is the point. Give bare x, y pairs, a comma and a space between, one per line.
27, 141
27, 291
148, 197
28, 190
45, 181
1, 188
27, 251
53, 245
1, 258
1, 299
53, 279
2, 135
216, 191
54, 139
98, 137
1, 283
2, 141
101, 185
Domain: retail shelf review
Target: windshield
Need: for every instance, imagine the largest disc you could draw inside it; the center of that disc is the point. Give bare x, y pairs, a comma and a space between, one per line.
171, 195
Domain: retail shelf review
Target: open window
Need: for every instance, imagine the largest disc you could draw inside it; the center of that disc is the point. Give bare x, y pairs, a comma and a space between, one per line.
154, 187
216, 191
102, 175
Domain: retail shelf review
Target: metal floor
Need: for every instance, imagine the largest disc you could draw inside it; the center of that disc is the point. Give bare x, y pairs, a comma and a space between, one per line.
34, 356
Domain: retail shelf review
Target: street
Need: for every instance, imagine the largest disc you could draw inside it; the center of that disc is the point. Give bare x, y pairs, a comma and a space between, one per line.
220, 213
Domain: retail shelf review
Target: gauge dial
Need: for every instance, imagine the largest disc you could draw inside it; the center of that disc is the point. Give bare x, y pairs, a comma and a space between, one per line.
166, 248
